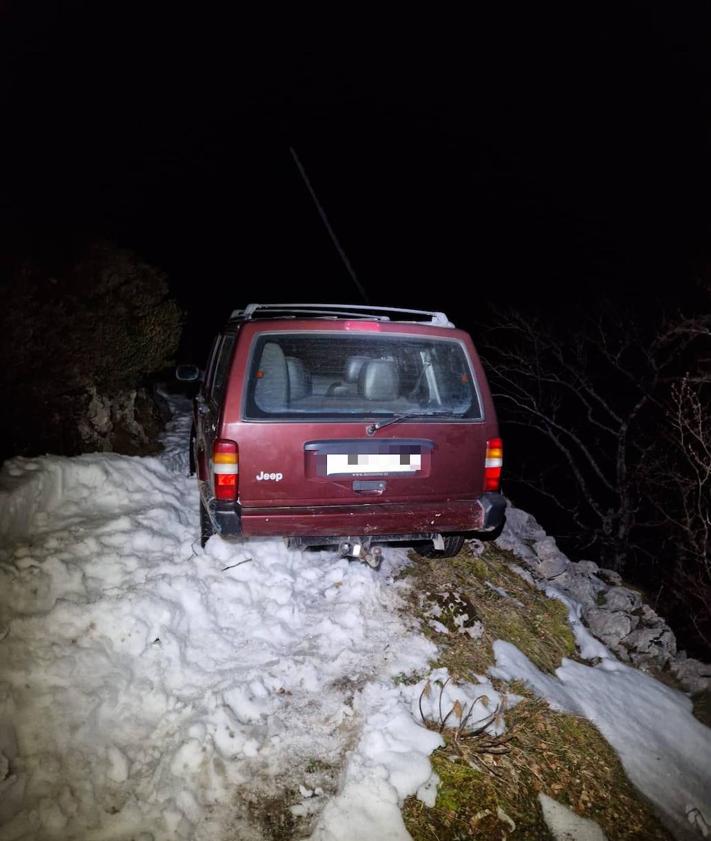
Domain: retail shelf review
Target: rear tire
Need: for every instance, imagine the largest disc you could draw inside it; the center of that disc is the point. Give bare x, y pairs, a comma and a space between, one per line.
452, 546
206, 529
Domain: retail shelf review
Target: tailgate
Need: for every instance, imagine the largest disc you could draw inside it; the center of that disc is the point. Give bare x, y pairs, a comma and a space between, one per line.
299, 467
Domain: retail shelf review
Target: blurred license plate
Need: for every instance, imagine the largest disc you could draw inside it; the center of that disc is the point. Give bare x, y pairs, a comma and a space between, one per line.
359, 463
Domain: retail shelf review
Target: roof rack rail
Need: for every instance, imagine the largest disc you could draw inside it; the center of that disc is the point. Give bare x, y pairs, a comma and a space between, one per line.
437, 319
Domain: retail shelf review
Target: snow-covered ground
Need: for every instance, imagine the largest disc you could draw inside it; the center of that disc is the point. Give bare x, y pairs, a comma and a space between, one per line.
153, 690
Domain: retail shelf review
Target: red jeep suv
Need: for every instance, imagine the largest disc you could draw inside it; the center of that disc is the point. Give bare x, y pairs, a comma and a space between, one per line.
348, 426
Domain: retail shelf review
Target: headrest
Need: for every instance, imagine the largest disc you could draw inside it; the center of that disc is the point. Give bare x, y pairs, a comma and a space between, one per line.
299, 379
272, 386
353, 366
379, 380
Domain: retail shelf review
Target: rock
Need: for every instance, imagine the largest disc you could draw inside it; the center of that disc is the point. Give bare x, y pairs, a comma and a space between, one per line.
552, 562
97, 422
649, 617
508, 541
656, 658
609, 626
694, 675
125, 421
476, 631
523, 525
651, 645
586, 567
610, 576
622, 598
454, 611
614, 613
581, 587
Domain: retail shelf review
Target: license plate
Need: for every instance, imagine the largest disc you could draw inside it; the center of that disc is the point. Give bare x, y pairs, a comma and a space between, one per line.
364, 463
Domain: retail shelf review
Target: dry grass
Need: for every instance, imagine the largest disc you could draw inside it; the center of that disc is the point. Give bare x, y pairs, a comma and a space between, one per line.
538, 626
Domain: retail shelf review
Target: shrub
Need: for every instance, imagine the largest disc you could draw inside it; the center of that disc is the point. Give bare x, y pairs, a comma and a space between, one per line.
79, 342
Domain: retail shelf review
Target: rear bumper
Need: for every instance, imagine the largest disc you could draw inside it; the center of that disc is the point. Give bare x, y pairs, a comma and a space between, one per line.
485, 514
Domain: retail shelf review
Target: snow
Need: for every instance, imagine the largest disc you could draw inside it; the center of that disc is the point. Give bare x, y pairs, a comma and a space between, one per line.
389, 763
589, 648
565, 825
155, 689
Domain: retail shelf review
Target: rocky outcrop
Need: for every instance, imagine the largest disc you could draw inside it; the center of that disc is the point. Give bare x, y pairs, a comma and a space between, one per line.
616, 614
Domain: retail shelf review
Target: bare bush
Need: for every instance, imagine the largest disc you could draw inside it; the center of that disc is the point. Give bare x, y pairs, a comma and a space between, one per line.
579, 396
677, 475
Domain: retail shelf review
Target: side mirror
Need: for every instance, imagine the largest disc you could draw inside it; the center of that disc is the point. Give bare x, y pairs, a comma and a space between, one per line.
187, 373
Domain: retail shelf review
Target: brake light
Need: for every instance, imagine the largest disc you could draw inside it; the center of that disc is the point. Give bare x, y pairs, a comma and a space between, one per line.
225, 466
492, 464
373, 326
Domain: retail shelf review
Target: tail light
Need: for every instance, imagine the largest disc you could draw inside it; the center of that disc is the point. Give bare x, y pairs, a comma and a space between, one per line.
225, 465
492, 464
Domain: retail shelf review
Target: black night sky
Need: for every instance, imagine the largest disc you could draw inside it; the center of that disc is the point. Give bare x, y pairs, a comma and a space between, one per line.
536, 158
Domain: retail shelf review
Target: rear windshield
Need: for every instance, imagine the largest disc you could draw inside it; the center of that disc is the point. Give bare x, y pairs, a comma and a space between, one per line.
297, 376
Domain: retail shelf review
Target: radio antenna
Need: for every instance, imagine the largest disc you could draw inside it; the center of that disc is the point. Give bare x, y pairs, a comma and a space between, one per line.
331, 232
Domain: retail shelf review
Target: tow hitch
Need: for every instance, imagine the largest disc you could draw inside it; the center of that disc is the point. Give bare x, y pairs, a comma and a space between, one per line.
361, 551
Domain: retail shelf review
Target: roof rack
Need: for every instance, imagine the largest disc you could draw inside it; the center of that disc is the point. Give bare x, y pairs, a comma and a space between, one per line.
437, 319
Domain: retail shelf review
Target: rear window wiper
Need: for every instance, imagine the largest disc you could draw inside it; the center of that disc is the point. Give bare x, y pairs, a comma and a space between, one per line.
372, 428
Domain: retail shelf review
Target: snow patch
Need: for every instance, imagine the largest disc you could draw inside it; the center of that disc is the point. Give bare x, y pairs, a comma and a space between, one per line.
565, 825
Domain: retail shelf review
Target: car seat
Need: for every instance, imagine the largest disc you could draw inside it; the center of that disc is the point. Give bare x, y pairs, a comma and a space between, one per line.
351, 373
379, 380
271, 390
299, 378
